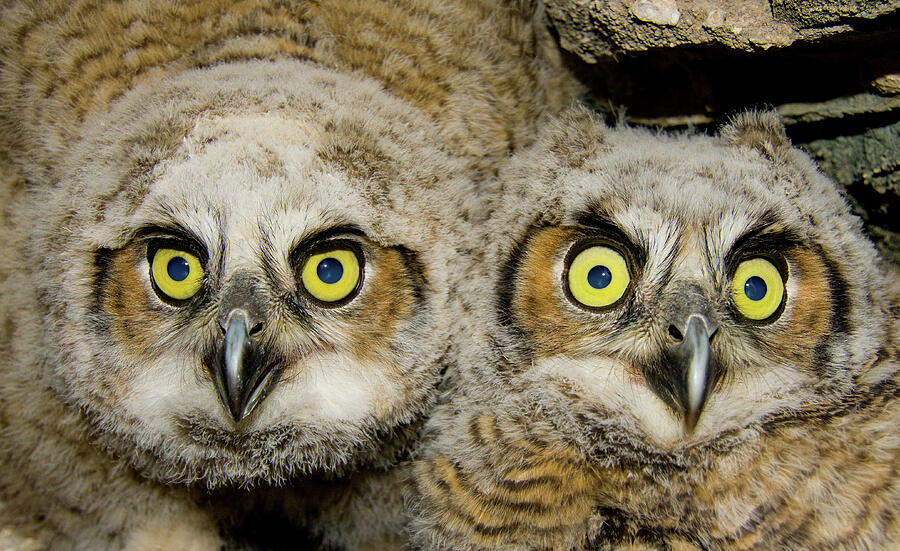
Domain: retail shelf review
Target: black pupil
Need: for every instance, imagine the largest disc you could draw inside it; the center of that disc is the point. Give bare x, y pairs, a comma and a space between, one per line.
178, 268
330, 270
755, 288
599, 277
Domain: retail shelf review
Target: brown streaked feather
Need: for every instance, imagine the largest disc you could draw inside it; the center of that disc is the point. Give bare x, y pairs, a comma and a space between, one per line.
481, 65
536, 300
134, 321
811, 310
518, 493
391, 296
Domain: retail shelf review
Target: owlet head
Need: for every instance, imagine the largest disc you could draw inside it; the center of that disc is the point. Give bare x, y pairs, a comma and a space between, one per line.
242, 287
676, 288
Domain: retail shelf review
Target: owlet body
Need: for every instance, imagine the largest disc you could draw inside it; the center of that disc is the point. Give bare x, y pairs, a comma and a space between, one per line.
678, 342
223, 270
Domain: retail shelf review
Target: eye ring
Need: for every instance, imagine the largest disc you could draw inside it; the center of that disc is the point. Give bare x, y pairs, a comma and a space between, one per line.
758, 289
331, 274
176, 275
597, 275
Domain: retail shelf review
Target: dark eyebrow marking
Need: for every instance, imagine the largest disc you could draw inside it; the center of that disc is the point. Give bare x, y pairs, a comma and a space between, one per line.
174, 232
300, 249
599, 220
605, 226
765, 238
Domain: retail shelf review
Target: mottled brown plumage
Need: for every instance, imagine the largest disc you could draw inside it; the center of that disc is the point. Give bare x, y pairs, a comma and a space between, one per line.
511, 485
244, 138
795, 443
485, 71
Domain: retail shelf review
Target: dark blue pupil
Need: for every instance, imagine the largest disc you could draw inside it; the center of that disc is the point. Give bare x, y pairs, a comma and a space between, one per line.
599, 277
178, 268
330, 270
755, 288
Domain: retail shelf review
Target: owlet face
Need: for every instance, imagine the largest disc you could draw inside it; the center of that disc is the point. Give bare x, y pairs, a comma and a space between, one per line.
679, 289
249, 293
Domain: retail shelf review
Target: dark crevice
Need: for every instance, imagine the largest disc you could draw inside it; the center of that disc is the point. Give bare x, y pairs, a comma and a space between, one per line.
713, 80
851, 125
269, 532
859, 24
887, 212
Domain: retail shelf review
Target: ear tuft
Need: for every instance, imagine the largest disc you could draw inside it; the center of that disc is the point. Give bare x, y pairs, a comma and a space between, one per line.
577, 135
759, 130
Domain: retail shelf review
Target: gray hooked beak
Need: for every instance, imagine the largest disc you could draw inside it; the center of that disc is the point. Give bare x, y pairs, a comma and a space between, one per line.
697, 375
241, 374
685, 371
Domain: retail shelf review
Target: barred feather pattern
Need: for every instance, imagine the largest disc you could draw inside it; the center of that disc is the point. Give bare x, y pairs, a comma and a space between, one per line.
514, 489
484, 70
824, 478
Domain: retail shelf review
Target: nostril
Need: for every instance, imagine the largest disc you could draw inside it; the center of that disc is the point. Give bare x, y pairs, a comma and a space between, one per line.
255, 329
675, 333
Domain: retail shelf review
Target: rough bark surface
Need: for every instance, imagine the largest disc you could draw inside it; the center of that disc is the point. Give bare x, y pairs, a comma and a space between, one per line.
593, 29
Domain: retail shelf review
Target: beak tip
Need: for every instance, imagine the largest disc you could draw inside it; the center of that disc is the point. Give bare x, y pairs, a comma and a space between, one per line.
237, 368
690, 421
697, 374
237, 413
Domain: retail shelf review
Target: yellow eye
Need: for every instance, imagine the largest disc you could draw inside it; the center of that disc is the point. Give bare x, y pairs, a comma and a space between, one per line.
176, 274
757, 288
598, 276
331, 276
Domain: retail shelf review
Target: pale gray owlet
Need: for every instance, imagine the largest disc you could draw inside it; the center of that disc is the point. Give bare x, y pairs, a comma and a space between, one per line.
676, 342
222, 265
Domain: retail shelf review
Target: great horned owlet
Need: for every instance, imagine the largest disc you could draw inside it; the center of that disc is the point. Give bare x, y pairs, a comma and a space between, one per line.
676, 342
226, 249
